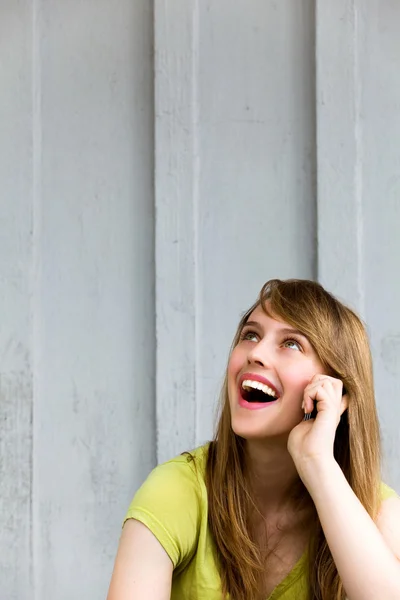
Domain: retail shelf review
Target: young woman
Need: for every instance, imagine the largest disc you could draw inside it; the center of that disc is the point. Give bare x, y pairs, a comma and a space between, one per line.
287, 501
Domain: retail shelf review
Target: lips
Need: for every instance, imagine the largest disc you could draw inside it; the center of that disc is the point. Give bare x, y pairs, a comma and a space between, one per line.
256, 385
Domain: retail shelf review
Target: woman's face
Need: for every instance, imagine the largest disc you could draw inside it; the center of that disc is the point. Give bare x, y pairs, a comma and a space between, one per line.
273, 356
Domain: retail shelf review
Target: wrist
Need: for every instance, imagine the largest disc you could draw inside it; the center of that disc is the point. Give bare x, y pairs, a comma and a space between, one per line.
313, 470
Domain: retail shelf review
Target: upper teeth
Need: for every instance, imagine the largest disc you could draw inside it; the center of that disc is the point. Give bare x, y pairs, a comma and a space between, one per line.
257, 385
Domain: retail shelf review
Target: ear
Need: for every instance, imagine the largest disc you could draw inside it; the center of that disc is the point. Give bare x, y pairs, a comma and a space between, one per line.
345, 403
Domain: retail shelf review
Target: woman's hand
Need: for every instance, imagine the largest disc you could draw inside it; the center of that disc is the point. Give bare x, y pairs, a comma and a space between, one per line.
312, 441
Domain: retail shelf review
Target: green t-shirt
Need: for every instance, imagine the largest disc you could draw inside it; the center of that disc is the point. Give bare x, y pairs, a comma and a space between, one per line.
173, 504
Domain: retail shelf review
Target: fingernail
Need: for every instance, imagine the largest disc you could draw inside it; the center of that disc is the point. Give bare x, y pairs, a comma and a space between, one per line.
302, 406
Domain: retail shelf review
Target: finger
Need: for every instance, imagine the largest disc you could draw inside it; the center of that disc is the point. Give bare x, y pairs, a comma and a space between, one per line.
312, 387
325, 382
316, 394
319, 377
331, 385
322, 398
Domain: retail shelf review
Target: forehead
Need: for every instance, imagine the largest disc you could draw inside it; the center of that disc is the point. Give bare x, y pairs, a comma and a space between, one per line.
271, 320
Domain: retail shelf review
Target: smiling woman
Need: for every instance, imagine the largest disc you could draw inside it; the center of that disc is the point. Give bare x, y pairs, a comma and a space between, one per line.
289, 492
271, 354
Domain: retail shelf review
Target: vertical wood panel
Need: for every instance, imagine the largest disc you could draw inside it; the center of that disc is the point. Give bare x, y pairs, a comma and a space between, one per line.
339, 151
235, 194
15, 301
257, 207
95, 396
176, 179
358, 125
379, 50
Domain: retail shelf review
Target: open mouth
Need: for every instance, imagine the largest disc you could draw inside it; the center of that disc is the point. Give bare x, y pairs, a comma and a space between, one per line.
257, 392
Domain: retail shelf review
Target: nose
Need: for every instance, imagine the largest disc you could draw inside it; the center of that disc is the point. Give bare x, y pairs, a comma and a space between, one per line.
259, 355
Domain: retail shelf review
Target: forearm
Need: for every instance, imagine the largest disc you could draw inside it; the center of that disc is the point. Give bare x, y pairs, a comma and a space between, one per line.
367, 567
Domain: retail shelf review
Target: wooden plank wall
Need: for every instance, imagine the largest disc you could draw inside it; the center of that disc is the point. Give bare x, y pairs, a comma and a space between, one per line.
159, 162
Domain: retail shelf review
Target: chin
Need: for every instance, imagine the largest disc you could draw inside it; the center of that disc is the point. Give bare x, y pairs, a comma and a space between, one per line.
253, 431
248, 431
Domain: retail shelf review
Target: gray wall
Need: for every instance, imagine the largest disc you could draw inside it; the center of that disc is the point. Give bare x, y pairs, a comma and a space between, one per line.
76, 288
235, 160
270, 132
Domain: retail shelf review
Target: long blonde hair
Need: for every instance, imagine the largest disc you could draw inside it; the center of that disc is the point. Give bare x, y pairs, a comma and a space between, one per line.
341, 343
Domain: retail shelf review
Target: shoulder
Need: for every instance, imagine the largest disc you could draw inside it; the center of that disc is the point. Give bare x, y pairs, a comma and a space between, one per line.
172, 504
187, 469
388, 520
177, 480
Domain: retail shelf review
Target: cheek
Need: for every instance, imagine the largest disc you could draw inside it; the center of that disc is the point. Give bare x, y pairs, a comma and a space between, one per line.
299, 377
235, 362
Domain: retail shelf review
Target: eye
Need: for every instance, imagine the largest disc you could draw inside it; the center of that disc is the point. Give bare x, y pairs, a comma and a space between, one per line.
292, 344
249, 336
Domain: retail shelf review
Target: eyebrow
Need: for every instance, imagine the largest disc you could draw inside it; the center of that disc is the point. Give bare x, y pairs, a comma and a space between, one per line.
251, 323
291, 331
284, 330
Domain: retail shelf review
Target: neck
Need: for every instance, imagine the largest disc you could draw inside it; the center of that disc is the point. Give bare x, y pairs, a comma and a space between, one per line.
272, 475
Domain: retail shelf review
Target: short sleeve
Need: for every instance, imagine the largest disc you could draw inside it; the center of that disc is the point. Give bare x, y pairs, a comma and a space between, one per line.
387, 492
169, 504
